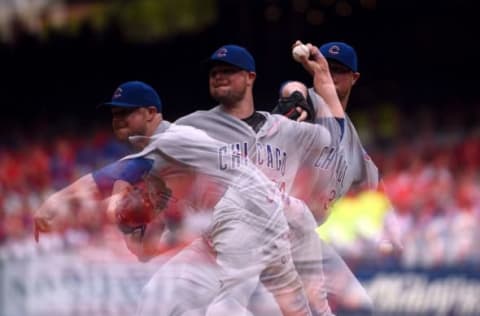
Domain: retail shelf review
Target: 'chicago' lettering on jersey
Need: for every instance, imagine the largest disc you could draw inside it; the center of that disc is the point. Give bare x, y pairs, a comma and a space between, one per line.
233, 155
332, 157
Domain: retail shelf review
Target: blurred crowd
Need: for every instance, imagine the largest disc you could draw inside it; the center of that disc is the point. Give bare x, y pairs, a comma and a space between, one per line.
32, 167
430, 174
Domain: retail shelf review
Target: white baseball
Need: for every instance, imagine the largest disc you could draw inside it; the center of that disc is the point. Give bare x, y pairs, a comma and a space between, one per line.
300, 51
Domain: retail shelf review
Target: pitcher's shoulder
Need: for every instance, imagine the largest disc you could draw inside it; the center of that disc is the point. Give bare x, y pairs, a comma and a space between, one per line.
200, 114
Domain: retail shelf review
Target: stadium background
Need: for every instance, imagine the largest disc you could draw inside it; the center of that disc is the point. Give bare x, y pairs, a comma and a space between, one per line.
415, 106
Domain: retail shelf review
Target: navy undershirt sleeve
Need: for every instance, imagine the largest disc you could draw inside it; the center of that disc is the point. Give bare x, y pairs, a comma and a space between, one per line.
341, 122
129, 170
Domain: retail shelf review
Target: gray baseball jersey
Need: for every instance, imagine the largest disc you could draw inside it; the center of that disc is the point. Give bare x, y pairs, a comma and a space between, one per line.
283, 150
249, 229
280, 148
353, 166
349, 166
192, 165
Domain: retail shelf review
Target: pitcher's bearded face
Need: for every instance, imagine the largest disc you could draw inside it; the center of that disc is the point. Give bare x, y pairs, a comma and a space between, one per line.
228, 84
128, 122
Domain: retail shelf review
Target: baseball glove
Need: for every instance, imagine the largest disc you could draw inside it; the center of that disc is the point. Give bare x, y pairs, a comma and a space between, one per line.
140, 204
287, 106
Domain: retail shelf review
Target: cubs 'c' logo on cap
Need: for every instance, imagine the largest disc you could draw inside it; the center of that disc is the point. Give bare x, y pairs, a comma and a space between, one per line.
117, 93
222, 52
334, 50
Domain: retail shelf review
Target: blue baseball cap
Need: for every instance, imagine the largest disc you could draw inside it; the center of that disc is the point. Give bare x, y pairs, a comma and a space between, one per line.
341, 52
135, 94
233, 55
